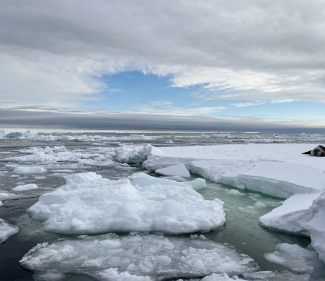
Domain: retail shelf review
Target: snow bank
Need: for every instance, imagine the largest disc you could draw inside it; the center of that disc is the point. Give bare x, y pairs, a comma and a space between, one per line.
144, 255
89, 203
298, 259
279, 170
175, 170
28, 170
25, 187
6, 230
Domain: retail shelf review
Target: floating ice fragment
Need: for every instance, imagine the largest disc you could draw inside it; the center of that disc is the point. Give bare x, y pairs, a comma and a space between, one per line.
28, 170
25, 187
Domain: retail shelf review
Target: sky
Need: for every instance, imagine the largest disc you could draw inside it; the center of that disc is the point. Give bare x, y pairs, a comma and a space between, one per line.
163, 65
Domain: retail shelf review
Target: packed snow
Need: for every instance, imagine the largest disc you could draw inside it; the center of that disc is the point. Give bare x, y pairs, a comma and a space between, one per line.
175, 170
89, 203
25, 187
6, 230
28, 170
144, 255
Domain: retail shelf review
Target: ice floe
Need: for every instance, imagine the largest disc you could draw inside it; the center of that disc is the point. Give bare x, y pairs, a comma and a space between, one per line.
279, 170
28, 170
25, 187
6, 230
175, 170
89, 203
292, 215
143, 255
301, 214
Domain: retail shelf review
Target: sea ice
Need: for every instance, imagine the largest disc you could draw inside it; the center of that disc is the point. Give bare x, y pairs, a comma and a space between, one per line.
316, 226
89, 203
298, 259
25, 187
28, 170
6, 230
144, 255
175, 170
292, 215
278, 170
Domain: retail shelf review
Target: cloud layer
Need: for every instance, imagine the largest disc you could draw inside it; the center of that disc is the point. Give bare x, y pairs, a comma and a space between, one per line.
56, 52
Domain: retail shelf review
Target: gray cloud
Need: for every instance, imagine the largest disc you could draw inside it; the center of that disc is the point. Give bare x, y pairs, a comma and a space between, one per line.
53, 52
120, 121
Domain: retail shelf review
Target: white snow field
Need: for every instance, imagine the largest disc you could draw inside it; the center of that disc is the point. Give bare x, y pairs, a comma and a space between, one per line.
279, 170
89, 203
28, 170
6, 230
174, 170
108, 256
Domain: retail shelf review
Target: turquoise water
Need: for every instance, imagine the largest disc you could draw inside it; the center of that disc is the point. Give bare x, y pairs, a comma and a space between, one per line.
242, 229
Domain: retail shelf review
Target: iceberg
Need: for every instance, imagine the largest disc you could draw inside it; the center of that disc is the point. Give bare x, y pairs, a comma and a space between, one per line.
89, 204
137, 254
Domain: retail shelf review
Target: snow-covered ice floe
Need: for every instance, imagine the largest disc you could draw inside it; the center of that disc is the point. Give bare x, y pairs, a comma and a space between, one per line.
301, 214
6, 230
279, 170
108, 256
89, 203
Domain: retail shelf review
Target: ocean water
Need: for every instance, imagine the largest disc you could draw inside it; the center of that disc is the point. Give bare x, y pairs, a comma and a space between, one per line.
241, 229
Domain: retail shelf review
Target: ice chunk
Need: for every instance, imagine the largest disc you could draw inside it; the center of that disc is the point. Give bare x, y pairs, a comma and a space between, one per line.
292, 215
235, 192
316, 226
3, 133
298, 259
175, 170
89, 203
28, 170
133, 153
143, 255
6, 230
25, 187
220, 277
